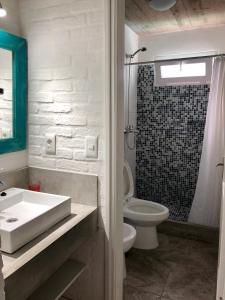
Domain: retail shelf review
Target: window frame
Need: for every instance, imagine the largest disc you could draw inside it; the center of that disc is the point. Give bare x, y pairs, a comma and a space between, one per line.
188, 80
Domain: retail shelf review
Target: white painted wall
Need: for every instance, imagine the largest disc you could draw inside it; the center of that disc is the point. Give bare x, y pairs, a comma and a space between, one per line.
131, 45
11, 23
66, 82
188, 43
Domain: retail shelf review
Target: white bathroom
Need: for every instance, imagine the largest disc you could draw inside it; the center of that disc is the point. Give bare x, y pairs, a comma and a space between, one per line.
112, 150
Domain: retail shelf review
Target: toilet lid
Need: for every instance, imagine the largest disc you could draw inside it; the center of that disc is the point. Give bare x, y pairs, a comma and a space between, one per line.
128, 181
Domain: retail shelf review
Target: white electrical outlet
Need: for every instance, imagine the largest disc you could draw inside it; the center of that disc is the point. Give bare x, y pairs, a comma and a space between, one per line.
91, 147
50, 144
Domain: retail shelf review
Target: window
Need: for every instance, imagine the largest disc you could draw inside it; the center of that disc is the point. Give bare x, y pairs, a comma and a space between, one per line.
196, 71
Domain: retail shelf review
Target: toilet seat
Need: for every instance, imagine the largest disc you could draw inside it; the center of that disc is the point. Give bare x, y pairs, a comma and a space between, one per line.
142, 210
138, 209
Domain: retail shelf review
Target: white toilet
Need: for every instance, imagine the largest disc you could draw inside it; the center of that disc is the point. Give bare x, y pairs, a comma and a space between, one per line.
129, 236
144, 215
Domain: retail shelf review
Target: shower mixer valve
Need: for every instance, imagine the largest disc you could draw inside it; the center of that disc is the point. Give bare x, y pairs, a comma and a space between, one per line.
130, 129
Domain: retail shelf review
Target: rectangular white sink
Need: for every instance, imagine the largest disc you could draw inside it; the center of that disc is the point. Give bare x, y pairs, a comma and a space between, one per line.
25, 214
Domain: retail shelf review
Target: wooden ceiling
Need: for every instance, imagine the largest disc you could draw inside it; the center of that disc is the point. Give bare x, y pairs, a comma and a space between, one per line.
185, 15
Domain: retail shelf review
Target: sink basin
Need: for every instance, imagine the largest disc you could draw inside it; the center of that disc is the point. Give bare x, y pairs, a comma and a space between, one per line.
25, 214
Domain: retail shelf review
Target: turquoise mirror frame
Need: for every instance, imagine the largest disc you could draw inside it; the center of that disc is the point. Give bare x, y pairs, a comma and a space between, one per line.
18, 47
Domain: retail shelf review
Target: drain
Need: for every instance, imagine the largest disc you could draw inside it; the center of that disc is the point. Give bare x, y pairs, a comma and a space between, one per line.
11, 220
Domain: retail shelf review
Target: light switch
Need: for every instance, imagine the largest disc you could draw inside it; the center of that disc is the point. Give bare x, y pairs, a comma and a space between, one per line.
91, 147
50, 144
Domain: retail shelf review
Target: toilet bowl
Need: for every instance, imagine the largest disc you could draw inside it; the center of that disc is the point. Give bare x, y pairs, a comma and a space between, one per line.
129, 236
144, 215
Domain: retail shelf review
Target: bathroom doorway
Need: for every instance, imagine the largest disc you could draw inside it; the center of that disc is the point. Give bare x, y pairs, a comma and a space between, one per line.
165, 126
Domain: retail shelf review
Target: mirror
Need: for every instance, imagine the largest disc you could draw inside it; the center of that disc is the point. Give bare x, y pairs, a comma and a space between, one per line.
13, 92
6, 87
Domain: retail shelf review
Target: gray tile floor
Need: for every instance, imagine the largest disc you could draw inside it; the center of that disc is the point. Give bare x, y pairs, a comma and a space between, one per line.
180, 269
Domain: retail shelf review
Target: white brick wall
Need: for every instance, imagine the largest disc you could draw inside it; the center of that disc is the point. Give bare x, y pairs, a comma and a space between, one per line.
66, 81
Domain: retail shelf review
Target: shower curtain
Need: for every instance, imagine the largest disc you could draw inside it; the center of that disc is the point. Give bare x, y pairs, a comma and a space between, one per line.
205, 209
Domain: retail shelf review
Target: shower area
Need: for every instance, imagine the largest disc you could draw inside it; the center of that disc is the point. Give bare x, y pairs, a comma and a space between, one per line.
165, 131
170, 126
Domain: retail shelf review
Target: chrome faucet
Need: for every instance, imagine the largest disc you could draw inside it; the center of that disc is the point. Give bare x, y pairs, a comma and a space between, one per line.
130, 129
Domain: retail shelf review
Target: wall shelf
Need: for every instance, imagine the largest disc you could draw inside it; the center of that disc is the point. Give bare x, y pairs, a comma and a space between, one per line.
59, 282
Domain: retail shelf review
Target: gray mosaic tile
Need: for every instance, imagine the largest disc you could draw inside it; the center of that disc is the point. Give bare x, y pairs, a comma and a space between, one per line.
170, 123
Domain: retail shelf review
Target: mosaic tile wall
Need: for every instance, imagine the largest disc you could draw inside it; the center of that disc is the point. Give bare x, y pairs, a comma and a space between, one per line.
170, 122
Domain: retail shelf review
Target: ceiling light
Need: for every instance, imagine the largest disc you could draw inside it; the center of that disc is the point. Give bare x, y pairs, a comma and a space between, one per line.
162, 5
3, 12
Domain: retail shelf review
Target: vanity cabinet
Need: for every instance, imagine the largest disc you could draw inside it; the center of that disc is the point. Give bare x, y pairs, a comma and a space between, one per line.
58, 259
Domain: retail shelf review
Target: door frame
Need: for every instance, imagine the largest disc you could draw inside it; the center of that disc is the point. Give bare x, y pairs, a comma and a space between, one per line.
114, 120
114, 114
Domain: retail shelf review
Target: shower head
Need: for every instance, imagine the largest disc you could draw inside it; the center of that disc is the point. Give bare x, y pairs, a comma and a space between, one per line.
143, 49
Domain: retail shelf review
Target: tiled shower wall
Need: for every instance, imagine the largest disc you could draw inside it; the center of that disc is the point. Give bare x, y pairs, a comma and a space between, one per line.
170, 123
